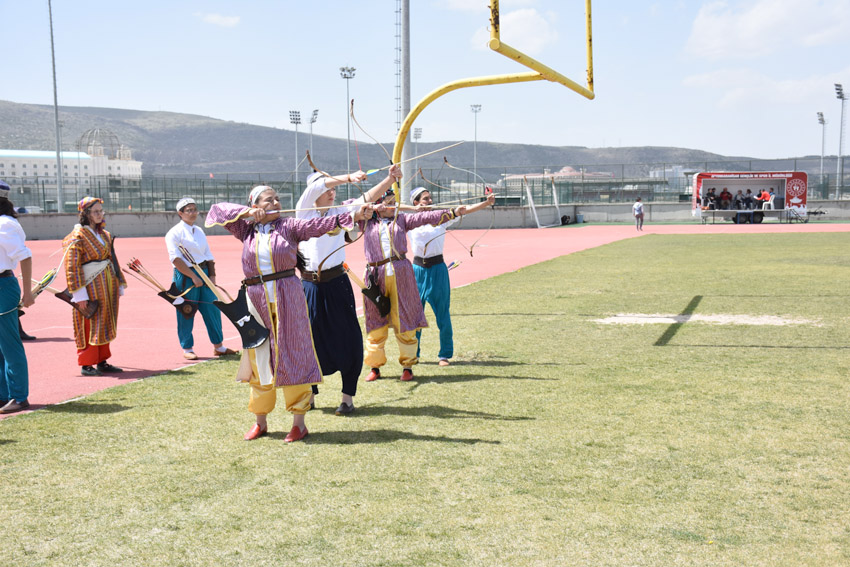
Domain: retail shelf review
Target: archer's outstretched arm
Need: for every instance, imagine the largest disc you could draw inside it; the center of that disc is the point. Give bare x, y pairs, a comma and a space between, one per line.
393, 175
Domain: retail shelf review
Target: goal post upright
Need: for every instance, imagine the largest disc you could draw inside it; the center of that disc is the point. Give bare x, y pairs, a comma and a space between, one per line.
540, 72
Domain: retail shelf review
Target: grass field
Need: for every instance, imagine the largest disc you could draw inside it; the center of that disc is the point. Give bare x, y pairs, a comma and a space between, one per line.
554, 439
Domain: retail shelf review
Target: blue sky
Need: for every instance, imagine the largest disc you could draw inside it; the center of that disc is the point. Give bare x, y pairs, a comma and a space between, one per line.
735, 77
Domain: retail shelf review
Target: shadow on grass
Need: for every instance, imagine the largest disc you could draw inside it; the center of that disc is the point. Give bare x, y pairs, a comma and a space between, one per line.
7, 441
376, 436
674, 328
441, 412
87, 407
458, 378
489, 362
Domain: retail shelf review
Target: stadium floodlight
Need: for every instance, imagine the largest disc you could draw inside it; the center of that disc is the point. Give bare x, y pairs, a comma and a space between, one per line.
839, 183
347, 73
822, 122
313, 119
475, 108
295, 118
417, 133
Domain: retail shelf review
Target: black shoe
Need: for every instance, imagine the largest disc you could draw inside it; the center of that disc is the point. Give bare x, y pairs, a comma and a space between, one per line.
90, 371
25, 336
14, 406
345, 409
107, 368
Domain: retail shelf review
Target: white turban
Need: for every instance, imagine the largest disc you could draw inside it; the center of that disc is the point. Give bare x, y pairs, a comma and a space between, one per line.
256, 192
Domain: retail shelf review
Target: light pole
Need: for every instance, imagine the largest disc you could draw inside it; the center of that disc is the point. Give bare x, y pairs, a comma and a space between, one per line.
60, 193
475, 108
839, 183
822, 122
347, 73
417, 133
295, 118
313, 121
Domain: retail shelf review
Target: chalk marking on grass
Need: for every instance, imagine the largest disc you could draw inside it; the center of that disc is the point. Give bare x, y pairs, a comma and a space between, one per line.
667, 319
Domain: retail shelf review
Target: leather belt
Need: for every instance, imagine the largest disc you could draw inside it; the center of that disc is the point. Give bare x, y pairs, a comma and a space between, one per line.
392, 258
429, 261
7, 274
263, 278
324, 275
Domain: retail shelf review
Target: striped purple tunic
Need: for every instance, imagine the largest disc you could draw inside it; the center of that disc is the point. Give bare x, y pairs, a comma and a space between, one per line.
293, 360
410, 313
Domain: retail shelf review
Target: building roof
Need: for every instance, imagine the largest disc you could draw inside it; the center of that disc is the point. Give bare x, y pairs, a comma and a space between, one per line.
36, 154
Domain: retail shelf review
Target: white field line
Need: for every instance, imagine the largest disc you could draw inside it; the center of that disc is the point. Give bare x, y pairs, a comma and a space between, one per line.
647, 319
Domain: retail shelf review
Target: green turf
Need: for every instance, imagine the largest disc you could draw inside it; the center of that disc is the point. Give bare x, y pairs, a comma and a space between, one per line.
553, 440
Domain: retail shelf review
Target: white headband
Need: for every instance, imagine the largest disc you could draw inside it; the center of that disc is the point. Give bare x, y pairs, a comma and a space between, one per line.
256, 192
183, 202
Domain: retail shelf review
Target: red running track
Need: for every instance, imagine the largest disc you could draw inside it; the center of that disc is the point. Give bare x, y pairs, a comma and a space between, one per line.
147, 332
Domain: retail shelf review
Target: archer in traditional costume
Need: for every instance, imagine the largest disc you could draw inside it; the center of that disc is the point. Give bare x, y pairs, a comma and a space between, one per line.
431, 272
275, 297
385, 243
192, 237
14, 371
92, 273
330, 299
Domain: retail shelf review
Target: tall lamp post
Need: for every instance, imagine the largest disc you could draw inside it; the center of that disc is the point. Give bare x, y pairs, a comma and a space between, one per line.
839, 183
313, 119
347, 73
295, 118
475, 108
417, 133
822, 122
60, 193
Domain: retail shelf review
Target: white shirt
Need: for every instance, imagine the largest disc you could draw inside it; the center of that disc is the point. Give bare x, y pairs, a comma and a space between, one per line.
190, 237
421, 239
13, 246
315, 250
264, 256
637, 208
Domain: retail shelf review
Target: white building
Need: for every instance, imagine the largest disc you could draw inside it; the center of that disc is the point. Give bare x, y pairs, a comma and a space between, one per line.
100, 164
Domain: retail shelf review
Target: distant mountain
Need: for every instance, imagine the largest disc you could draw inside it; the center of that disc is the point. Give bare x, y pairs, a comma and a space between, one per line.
169, 143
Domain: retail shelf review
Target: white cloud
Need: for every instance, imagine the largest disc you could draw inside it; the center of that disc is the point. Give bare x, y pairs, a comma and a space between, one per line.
742, 87
219, 20
754, 28
527, 30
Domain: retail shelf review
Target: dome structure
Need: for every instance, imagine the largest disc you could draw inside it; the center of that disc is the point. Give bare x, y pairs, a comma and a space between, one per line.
100, 142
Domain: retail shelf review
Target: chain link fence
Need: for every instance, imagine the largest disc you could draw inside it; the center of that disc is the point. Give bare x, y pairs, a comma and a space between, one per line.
571, 184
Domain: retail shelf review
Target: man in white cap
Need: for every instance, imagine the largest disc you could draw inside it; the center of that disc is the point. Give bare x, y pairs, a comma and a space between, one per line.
186, 234
336, 330
432, 274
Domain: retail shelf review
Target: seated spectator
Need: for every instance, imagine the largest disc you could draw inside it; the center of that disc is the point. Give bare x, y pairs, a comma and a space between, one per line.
725, 199
749, 201
710, 200
762, 198
738, 202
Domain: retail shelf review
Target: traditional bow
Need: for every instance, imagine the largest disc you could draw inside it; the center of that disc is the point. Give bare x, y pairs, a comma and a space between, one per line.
487, 192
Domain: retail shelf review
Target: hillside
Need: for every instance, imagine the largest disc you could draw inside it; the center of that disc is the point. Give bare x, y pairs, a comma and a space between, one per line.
170, 143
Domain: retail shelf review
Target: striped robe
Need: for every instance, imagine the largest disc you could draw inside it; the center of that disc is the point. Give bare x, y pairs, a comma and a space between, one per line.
293, 358
83, 246
411, 315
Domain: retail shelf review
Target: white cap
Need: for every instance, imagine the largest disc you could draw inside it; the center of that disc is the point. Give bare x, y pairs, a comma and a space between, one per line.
416, 193
183, 202
257, 191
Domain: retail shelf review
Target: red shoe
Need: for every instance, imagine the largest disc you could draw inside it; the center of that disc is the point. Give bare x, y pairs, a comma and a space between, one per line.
255, 433
373, 375
407, 375
296, 434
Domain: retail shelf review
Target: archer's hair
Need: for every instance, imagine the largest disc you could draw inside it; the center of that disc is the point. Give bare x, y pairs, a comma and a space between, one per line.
7, 208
